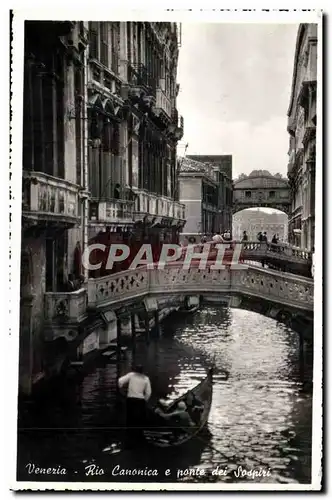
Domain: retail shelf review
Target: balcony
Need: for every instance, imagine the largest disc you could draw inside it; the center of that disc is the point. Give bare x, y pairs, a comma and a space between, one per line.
139, 79
176, 127
309, 133
49, 199
105, 79
209, 207
291, 162
159, 206
165, 206
113, 211
65, 307
296, 213
163, 103
179, 127
310, 122
179, 211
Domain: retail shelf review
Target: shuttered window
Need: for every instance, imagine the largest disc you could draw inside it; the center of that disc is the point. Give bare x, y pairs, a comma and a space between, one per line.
104, 43
93, 36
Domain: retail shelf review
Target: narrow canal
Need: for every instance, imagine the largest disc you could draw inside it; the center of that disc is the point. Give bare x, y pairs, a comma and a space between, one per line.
259, 416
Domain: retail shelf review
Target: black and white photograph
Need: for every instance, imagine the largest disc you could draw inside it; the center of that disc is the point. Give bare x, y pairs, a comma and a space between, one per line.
166, 250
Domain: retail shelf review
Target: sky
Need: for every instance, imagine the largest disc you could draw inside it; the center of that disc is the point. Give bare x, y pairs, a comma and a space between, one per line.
235, 84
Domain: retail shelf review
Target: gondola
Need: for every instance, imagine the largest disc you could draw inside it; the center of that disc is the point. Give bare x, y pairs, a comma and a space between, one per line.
187, 310
161, 433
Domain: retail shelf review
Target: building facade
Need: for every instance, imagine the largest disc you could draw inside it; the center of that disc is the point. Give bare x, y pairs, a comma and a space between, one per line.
205, 188
133, 134
256, 220
99, 165
54, 197
302, 138
223, 166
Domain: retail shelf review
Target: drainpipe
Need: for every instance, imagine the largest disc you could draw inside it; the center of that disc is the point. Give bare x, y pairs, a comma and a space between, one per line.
85, 208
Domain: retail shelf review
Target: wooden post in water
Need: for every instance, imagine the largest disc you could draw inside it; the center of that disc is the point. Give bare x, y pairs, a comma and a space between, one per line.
147, 327
133, 340
157, 323
301, 356
118, 348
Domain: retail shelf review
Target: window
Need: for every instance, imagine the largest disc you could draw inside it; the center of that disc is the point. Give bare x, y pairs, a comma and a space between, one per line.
115, 37
104, 43
272, 194
248, 194
78, 124
134, 45
111, 136
93, 45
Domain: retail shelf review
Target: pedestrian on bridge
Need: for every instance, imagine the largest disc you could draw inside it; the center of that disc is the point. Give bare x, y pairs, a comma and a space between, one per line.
217, 238
245, 236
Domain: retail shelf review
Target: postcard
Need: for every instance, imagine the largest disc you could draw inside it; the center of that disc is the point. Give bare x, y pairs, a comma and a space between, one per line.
166, 223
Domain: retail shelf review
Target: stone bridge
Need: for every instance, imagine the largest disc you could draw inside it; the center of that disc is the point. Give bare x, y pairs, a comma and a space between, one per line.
280, 256
288, 298
282, 289
274, 287
261, 189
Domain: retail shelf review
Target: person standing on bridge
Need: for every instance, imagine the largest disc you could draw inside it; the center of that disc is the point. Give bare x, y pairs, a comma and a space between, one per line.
263, 240
217, 238
244, 236
227, 235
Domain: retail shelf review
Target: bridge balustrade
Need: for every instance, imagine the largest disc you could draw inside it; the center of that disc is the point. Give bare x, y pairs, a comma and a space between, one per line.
279, 287
280, 256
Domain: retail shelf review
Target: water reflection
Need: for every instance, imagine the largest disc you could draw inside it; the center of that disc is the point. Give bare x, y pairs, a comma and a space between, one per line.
259, 417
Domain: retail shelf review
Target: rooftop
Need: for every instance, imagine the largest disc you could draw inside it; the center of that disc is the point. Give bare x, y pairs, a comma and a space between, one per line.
188, 165
260, 173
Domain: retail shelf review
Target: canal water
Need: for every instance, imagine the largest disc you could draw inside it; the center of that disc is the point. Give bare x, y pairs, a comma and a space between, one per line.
260, 418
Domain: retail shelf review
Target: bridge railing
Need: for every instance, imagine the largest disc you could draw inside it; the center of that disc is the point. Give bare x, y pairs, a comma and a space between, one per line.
281, 249
119, 286
252, 249
283, 288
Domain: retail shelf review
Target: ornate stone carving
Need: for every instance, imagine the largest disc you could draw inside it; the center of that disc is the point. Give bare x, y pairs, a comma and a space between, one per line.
121, 285
61, 308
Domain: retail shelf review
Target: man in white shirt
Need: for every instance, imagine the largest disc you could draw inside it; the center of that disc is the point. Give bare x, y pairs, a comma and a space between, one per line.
138, 393
217, 238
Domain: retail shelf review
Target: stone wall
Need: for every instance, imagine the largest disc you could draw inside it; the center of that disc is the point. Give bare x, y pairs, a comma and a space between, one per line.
33, 277
191, 197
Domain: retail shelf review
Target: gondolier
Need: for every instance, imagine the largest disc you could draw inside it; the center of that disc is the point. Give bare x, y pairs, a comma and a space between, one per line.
138, 393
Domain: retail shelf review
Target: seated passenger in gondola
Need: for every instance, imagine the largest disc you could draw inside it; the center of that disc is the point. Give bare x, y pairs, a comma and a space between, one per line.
195, 407
180, 417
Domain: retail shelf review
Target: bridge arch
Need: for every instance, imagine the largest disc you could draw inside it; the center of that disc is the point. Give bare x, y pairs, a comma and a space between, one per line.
261, 189
258, 219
